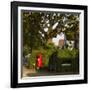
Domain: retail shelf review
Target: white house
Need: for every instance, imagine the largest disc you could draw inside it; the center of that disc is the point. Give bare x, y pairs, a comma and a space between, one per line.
59, 40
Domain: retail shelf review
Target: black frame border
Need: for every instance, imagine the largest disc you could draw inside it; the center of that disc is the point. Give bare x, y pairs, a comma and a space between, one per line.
14, 43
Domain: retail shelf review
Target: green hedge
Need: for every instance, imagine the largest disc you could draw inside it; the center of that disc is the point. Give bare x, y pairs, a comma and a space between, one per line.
63, 54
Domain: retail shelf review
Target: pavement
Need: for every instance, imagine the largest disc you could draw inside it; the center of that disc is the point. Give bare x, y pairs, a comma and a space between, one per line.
26, 72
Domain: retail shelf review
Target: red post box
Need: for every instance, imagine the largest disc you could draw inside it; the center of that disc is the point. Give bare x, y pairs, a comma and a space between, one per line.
39, 61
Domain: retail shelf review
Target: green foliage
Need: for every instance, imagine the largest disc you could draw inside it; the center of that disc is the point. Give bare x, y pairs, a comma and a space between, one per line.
45, 56
35, 38
26, 50
67, 53
50, 46
70, 35
46, 53
35, 22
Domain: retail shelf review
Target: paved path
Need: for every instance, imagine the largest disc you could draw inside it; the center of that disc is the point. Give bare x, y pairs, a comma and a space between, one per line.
32, 72
27, 71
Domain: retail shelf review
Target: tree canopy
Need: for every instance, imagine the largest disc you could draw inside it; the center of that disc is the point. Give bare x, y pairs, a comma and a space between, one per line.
38, 27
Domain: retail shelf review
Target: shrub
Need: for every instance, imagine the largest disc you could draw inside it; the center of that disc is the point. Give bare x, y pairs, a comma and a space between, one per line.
45, 55
64, 55
68, 57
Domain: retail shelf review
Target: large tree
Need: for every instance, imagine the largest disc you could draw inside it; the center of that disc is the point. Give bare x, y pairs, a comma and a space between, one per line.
39, 27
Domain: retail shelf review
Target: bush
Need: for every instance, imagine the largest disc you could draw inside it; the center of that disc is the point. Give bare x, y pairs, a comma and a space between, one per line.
50, 46
68, 57
64, 56
26, 50
65, 53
